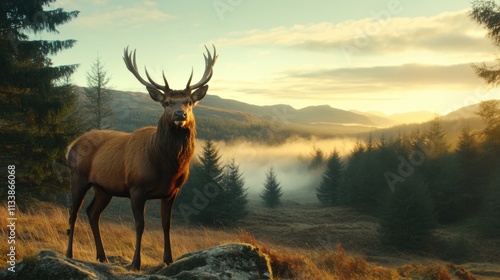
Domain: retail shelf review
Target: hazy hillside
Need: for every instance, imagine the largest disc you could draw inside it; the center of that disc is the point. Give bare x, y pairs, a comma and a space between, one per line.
452, 126
463, 113
380, 119
384, 120
413, 117
286, 113
225, 119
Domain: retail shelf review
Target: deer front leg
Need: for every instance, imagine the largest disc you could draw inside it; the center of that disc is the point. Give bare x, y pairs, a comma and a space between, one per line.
166, 214
138, 203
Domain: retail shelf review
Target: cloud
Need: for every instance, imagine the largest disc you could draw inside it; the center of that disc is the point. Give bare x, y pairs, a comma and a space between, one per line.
384, 78
368, 60
379, 82
121, 16
449, 32
290, 160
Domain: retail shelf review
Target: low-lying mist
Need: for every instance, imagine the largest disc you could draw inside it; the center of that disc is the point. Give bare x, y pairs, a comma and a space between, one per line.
291, 162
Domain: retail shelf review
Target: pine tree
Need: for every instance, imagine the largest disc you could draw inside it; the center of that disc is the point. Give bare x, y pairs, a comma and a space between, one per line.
487, 14
222, 203
271, 192
365, 181
469, 173
202, 199
328, 190
437, 171
407, 219
489, 220
35, 102
98, 98
210, 164
436, 139
317, 159
235, 207
489, 111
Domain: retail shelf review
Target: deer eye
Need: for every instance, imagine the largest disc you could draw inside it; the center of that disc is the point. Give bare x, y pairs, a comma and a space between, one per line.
166, 104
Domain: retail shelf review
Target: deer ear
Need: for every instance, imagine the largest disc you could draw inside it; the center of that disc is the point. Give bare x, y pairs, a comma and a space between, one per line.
155, 94
198, 94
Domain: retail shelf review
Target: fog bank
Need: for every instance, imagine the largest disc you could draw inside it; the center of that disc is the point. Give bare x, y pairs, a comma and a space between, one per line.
290, 161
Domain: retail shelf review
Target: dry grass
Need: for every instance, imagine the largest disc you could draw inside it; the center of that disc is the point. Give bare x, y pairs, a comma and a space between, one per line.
45, 229
293, 263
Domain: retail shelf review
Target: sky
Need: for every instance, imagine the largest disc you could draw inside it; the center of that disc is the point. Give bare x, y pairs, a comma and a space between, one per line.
388, 56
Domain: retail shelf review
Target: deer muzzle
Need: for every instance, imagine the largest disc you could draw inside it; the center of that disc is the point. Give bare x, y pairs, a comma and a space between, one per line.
180, 118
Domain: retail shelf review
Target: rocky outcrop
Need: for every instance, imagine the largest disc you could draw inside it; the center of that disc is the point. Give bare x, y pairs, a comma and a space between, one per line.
229, 261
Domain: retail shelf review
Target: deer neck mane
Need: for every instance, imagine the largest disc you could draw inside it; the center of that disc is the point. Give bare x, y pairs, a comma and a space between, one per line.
171, 148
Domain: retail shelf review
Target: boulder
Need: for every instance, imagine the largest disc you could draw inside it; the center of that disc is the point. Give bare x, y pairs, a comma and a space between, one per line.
50, 265
229, 261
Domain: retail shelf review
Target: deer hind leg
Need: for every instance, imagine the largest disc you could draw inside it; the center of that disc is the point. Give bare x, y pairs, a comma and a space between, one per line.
94, 210
79, 188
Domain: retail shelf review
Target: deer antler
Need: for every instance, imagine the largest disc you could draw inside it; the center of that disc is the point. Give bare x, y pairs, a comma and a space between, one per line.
209, 64
131, 63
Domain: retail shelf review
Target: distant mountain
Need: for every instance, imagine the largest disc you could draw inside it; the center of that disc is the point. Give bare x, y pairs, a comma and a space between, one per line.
379, 119
413, 117
452, 123
217, 107
383, 120
463, 113
227, 119
215, 101
323, 114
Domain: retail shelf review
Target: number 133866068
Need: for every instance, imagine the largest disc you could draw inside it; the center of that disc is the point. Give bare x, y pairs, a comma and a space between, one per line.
11, 197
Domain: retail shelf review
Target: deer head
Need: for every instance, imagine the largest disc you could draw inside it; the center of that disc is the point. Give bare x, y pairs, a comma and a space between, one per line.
178, 104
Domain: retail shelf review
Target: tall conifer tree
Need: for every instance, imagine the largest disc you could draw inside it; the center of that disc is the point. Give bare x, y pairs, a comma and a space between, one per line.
271, 192
98, 98
329, 188
235, 207
35, 100
202, 199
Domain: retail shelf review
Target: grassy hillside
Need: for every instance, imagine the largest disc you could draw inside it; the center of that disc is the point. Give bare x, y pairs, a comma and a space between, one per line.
309, 251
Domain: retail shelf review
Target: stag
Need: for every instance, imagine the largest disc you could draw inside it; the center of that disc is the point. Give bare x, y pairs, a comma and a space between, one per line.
150, 163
